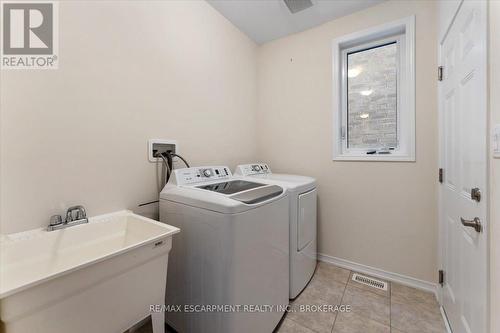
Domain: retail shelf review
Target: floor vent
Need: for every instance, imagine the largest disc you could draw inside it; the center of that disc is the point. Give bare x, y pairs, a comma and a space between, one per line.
374, 283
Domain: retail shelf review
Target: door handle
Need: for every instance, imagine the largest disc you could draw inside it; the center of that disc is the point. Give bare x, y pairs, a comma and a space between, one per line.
475, 223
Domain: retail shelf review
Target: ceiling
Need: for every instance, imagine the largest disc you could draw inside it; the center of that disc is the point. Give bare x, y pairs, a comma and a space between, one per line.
265, 20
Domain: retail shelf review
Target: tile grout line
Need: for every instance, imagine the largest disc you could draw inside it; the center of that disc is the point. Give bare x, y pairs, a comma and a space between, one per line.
373, 294
376, 320
301, 325
341, 299
321, 297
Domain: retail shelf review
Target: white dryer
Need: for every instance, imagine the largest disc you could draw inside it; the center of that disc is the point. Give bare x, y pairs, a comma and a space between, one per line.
303, 220
233, 252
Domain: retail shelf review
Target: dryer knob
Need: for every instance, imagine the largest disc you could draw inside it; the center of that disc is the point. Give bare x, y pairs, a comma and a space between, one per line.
207, 172
256, 168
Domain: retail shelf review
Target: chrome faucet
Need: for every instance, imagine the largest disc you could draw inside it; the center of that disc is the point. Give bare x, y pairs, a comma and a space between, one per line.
56, 221
80, 213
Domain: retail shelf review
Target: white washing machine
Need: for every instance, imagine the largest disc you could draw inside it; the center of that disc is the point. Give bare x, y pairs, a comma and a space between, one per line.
232, 254
303, 220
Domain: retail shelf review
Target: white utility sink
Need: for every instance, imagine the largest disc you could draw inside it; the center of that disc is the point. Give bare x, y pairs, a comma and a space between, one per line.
102, 276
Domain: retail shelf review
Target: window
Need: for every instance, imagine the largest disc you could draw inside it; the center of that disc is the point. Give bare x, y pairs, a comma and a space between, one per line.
374, 94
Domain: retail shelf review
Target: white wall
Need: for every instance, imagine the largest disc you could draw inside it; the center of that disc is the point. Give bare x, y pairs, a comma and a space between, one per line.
381, 214
129, 71
494, 58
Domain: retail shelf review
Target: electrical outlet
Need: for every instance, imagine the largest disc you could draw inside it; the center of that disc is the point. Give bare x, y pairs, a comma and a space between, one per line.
496, 141
160, 146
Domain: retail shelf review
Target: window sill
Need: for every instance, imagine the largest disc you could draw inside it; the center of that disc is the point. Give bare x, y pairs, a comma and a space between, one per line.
375, 158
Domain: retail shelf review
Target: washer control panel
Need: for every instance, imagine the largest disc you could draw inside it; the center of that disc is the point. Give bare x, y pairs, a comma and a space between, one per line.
200, 174
252, 169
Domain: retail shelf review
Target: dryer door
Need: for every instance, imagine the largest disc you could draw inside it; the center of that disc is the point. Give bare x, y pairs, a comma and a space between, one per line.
306, 219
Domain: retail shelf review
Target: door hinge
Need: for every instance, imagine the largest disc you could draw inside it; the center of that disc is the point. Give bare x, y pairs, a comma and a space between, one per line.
441, 175
475, 194
441, 277
440, 73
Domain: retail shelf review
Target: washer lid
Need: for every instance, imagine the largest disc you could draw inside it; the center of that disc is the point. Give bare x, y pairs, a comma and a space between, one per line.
257, 195
293, 183
231, 186
209, 199
244, 190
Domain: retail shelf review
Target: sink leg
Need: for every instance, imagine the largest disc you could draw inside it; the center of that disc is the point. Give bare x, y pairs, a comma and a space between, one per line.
158, 320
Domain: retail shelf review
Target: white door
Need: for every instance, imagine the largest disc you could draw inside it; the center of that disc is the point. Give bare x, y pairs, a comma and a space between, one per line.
463, 99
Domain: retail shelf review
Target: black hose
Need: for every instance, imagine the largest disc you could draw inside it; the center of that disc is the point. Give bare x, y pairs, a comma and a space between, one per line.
169, 165
182, 158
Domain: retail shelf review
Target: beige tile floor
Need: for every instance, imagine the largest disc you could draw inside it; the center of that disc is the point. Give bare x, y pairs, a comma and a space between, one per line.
400, 309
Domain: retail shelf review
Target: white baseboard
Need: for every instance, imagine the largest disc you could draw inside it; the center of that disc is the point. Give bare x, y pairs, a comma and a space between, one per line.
380, 273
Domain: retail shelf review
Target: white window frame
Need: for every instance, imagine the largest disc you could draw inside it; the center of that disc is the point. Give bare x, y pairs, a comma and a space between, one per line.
403, 33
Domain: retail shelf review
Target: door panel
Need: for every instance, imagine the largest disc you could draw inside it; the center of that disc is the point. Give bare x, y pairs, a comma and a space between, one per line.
451, 139
306, 219
463, 156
